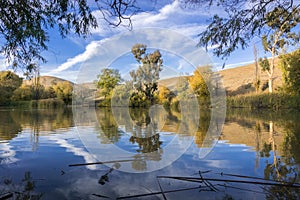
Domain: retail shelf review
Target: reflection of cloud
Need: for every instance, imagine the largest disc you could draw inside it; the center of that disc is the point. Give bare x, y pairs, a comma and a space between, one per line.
77, 151
7, 155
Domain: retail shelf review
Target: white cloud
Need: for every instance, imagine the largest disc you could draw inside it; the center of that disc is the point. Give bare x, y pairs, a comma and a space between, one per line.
90, 50
171, 16
238, 64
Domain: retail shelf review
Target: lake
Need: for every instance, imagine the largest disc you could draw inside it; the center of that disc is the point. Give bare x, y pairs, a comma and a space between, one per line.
115, 153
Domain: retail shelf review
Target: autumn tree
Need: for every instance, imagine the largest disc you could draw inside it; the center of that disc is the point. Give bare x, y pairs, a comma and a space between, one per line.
145, 78
198, 81
108, 79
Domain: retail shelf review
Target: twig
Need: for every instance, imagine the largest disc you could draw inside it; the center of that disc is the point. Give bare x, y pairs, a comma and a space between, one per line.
252, 177
207, 183
198, 180
100, 163
6, 196
233, 187
162, 192
102, 196
155, 193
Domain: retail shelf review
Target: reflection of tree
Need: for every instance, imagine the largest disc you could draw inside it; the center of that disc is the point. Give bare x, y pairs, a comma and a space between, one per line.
281, 171
204, 121
23, 191
283, 168
13, 121
110, 132
9, 127
144, 132
147, 145
44, 119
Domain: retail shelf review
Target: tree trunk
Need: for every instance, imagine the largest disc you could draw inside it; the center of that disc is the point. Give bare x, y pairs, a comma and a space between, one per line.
270, 84
272, 71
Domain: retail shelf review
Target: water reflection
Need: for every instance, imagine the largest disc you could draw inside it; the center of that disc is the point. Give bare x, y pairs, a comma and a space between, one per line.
260, 144
277, 140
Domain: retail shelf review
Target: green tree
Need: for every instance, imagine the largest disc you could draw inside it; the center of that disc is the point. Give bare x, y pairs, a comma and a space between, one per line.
279, 36
108, 80
64, 91
23, 93
146, 76
291, 72
9, 82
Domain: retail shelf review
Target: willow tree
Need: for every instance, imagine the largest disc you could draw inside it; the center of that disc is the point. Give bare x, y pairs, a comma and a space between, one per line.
241, 21
25, 24
145, 78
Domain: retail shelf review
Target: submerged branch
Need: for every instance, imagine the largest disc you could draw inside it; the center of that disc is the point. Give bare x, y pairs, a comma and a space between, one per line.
201, 180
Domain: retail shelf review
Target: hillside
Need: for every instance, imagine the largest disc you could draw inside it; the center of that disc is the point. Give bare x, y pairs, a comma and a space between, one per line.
237, 80
46, 81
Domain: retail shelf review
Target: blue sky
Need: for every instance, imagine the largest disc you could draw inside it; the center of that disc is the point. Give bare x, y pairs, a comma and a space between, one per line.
68, 56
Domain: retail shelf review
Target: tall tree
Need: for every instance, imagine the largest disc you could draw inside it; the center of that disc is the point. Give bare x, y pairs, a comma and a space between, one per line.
108, 80
279, 36
146, 76
256, 70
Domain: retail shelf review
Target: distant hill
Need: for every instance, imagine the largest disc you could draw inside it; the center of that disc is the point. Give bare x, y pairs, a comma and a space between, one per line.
238, 80
46, 81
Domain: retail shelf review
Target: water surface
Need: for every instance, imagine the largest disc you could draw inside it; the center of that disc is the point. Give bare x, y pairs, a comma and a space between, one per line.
37, 147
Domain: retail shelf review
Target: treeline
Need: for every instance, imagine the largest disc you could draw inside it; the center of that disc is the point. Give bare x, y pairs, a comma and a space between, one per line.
143, 89
15, 92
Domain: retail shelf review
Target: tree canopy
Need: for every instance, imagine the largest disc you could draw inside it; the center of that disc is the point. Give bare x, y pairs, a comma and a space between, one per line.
145, 78
108, 80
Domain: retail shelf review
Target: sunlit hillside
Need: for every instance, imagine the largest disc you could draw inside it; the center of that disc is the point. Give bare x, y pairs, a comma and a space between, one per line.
46, 81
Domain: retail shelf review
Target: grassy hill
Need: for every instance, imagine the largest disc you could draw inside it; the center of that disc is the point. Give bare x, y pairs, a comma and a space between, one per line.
46, 81
237, 80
